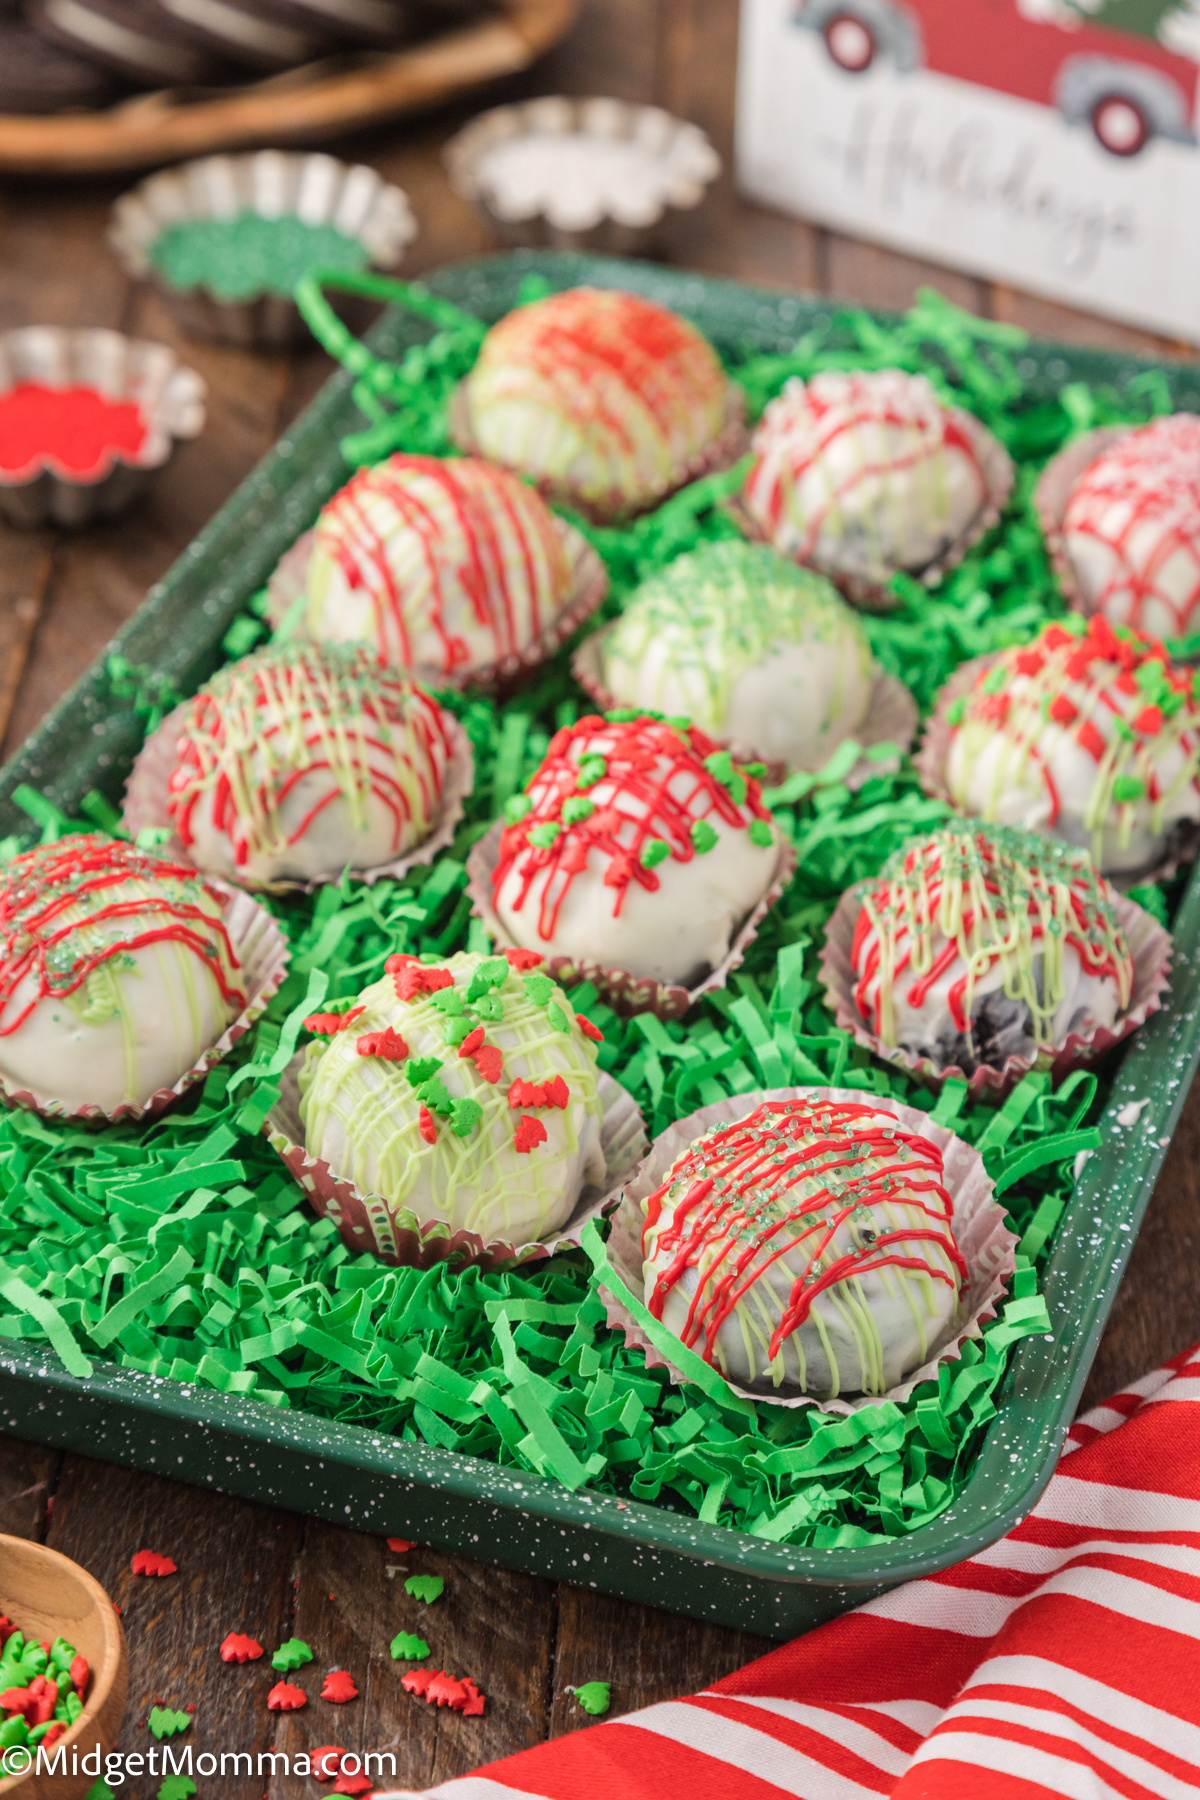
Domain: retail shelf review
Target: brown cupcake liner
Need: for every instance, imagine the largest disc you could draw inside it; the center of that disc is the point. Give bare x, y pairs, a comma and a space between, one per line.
730, 443
625, 992
1050, 496
145, 807
398, 1237
891, 718
1182, 844
987, 1245
876, 596
261, 948
589, 585
1149, 944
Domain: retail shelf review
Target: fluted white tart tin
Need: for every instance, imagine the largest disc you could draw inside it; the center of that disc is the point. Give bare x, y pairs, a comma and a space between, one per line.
308, 186
168, 395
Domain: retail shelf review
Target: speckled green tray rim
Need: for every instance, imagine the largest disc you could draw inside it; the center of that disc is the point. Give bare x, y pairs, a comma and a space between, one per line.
382, 1484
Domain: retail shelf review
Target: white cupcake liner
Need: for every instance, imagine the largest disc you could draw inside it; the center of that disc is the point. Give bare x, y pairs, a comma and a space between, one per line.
261, 948
145, 806
589, 584
1182, 842
307, 185
627, 993
679, 165
169, 396
1050, 496
890, 718
999, 475
987, 1245
1149, 945
730, 443
398, 1237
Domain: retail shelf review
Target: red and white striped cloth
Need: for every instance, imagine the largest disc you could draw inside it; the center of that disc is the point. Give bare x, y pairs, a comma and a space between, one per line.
1064, 1661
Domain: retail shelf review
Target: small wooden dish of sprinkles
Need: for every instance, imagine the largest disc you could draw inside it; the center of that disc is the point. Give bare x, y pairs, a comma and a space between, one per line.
85, 418
58, 1631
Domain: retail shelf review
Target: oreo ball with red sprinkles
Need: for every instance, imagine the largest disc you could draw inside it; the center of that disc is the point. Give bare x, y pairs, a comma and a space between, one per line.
1090, 734
305, 760
117, 972
638, 845
806, 1249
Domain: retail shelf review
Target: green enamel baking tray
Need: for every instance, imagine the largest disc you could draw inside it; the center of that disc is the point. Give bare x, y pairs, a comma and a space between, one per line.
381, 1484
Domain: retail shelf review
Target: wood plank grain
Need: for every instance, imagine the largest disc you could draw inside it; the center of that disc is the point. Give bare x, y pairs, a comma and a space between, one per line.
28, 1473
644, 1654
235, 1567
874, 276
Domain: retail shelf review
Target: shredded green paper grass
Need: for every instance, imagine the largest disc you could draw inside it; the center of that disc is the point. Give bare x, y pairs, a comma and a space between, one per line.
182, 1247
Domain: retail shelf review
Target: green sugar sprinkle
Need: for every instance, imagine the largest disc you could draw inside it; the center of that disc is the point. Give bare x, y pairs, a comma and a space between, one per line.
425, 1587
291, 1656
182, 1247
164, 1723
593, 1696
408, 1647
239, 258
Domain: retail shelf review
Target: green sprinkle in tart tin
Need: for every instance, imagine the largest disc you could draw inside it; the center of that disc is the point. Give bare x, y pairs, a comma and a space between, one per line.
225, 239
987, 1246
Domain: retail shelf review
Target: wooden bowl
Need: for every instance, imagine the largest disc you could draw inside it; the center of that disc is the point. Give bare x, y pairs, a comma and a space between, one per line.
49, 1596
340, 94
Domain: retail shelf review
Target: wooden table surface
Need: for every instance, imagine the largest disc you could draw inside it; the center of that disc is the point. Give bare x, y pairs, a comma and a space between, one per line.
243, 1567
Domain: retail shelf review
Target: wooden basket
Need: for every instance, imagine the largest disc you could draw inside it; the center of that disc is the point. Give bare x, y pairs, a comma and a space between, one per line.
305, 105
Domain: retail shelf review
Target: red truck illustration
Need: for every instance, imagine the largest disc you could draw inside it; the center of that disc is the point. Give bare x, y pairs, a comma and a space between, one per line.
1129, 70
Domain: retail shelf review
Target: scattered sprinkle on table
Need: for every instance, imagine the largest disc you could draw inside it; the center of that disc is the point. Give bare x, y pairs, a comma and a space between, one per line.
400, 1545
326, 1761
286, 1697
240, 1648
149, 1562
292, 1655
440, 1689
177, 1787
425, 1587
339, 1687
593, 1696
410, 1647
166, 1723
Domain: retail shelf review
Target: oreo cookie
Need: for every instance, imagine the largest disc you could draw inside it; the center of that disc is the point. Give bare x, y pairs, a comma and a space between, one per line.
132, 38
259, 33
37, 76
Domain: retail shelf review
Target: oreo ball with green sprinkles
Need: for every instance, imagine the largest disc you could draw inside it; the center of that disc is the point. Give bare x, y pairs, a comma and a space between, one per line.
461, 1095
639, 847
1089, 733
764, 656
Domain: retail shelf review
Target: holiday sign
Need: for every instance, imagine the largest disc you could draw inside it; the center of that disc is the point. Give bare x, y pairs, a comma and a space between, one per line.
1050, 143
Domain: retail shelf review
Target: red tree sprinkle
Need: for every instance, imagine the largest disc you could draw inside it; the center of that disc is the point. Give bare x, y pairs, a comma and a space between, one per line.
532, 1093
529, 1132
286, 1697
330, 1023
240, 1648
524, 959
80, 1675
400, 1545
440, 1689
413, 978
352, 1784
471, 1043
387, 1044
426, 1126
588, 1029
326, 1761
489, 1062
149, 1562
339, 1687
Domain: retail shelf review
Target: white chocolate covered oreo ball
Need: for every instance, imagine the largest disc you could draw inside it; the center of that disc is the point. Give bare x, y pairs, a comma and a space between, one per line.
446, 566
637, 845
463, 1092
607, 400
978, 943
301, 762
116, 974
863, 474
1088, 734
758, 653
808, 1248
1131, 529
